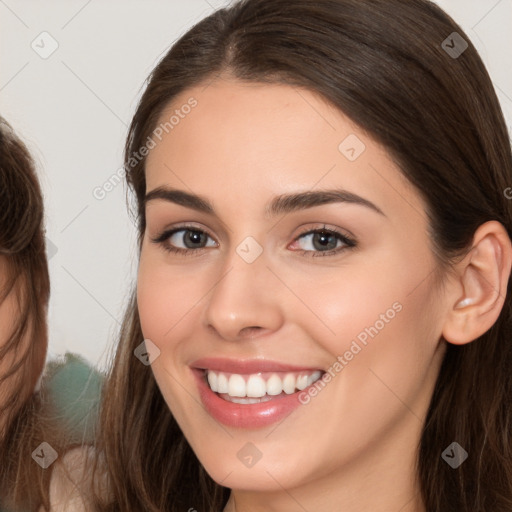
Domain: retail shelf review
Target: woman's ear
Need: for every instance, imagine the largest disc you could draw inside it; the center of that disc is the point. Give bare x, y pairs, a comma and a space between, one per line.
483, 276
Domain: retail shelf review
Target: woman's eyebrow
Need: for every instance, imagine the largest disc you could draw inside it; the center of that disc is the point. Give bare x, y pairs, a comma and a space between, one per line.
281, 204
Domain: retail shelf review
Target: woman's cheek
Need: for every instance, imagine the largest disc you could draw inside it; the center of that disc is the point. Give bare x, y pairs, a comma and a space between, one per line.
350, 305
163, 299
149, 301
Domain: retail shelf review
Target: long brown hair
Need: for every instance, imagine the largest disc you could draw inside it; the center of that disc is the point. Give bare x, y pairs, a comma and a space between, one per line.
23, 484
382, 63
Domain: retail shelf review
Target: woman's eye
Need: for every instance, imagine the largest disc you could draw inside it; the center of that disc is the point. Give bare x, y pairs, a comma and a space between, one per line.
319, 242
323, 242
183, 240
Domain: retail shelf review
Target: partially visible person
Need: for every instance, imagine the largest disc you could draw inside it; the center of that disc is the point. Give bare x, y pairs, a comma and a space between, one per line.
24, 296
53, 405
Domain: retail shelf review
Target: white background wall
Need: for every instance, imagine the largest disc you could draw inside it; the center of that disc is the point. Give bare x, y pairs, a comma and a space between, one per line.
73, 110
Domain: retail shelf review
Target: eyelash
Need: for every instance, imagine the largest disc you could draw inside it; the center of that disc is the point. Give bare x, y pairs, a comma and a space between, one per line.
163, 238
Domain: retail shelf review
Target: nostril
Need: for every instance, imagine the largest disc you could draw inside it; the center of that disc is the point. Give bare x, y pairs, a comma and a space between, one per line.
250, 331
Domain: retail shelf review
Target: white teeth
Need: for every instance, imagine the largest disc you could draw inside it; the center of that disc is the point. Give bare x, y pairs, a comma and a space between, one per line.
314, 377
237, 386
289, 384
213, 381
302, 382
222, 384
255, 387
237, 400
274, 385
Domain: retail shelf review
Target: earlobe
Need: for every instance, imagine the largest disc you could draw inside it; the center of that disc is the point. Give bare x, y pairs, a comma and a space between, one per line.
483, 277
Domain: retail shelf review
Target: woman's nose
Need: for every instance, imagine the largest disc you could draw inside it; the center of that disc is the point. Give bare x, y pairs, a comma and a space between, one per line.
245, 301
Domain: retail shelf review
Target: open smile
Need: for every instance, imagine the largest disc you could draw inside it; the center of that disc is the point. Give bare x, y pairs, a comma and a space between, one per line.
257, 394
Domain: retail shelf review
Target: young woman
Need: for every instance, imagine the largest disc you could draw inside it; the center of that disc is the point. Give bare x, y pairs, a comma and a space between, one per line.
59, 409
325, 255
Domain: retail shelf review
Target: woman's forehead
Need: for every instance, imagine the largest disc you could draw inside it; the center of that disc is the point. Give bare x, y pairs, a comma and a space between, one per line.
261, 140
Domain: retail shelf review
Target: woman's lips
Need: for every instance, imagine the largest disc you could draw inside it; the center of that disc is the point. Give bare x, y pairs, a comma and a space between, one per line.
266, 405
246, 366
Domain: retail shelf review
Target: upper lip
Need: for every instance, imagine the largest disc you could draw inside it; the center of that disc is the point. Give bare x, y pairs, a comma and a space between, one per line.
247, 366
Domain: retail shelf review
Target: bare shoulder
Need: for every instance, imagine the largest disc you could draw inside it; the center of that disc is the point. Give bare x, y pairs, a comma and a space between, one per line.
71, 481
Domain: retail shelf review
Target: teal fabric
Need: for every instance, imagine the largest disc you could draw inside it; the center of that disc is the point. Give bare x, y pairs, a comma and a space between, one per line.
72, 388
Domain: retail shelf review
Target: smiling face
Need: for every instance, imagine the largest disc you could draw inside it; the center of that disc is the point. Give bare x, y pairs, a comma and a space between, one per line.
336, 286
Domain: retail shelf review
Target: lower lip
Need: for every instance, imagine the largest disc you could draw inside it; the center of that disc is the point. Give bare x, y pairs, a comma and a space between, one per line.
245, 415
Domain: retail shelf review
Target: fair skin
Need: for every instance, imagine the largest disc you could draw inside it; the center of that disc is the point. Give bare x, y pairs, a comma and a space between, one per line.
71, 480
354, 443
